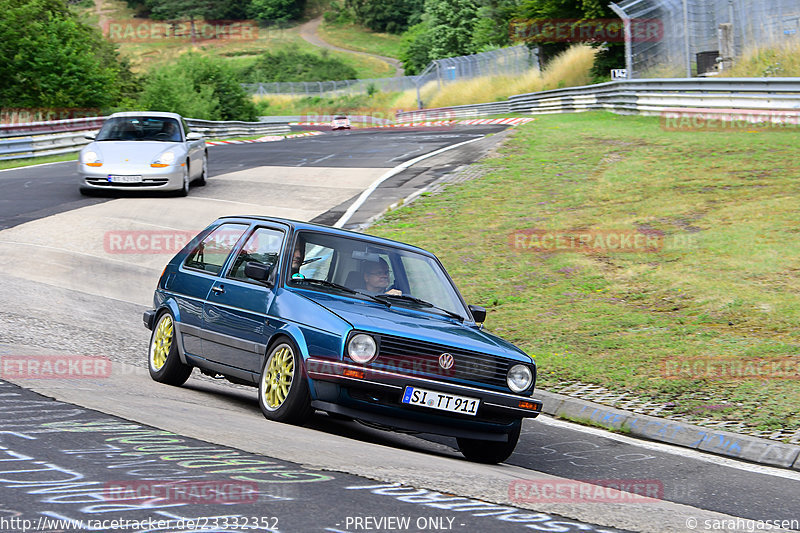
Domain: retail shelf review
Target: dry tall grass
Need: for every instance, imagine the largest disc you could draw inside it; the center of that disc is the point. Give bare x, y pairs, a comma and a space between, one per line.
781, 60
569, 69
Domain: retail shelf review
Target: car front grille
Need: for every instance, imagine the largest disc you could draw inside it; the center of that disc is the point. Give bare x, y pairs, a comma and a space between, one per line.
146, 182
421, 359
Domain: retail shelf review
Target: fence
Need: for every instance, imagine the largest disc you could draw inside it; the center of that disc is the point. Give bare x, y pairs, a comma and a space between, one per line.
37, 139
505, 61
700, 34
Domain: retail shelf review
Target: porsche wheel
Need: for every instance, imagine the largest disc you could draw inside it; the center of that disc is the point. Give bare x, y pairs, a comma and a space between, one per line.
164, 363
487, 451
184, 190
282, 390
204, 174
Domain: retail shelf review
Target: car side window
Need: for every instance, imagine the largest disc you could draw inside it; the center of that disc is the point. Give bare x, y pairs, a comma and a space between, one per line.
263, 246
211, 253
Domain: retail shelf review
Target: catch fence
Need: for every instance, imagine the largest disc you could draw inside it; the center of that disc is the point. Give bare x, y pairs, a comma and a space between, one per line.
502, 62
702, 37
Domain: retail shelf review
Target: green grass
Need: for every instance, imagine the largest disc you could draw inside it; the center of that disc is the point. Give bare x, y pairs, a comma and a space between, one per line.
355, 37
17, 163
144, 55
724, 288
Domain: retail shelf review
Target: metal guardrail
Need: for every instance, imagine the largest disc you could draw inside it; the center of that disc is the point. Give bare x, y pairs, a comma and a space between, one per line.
640, 97
651, 97
38, 139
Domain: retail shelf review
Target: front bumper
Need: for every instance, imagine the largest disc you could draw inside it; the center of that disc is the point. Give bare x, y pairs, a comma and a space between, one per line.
165, 178
375, 395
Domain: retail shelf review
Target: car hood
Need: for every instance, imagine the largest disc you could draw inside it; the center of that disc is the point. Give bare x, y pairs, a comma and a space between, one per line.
132, 152
404, 322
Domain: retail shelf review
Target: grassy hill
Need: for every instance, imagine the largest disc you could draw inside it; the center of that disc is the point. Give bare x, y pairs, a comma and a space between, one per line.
151, 52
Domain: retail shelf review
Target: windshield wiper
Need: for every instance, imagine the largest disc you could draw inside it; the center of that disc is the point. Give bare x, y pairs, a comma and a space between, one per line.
421, 302
326, 283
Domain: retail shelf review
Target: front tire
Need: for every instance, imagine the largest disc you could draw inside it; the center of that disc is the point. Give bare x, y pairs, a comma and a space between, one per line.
487, 451
184, 190
204, 174
163, 361
282, 390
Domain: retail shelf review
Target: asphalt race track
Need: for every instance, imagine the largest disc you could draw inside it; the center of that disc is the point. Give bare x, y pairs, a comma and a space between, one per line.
75, 284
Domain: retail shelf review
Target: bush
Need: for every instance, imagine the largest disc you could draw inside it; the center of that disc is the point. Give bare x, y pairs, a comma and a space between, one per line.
198, 87
294, 65
50, 59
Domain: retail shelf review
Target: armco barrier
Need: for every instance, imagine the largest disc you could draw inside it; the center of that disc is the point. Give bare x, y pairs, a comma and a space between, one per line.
651, 97
640, 97
37, 139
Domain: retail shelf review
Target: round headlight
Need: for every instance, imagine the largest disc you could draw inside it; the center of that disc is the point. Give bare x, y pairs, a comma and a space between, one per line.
519, 378
167, 158
362, 348
89, 157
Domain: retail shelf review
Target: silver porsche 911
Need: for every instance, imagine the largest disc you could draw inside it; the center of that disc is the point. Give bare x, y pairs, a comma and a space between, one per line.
143, 150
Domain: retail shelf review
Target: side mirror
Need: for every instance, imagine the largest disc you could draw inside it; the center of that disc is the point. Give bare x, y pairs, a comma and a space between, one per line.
89, 136
478, 313
194, 136
257, 271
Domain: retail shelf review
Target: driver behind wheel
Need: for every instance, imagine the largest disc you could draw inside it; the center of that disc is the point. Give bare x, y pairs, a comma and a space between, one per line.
376, 278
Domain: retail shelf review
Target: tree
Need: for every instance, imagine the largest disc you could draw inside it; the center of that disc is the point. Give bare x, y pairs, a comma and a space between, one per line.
392, 16
611, 53
276, 10
451, 23
50, 59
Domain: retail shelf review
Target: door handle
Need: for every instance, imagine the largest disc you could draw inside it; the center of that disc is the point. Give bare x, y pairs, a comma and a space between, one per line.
218, 290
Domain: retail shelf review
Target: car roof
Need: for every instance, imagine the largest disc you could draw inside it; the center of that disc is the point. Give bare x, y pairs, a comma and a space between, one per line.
146, 114
297, 225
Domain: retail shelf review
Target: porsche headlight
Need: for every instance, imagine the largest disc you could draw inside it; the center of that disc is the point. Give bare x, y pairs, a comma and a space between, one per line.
165, 159
362, 348
92, 159
519, 378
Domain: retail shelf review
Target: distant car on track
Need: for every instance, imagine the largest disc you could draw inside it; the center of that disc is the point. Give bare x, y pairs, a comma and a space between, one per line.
326, 319
143, 151
340, 122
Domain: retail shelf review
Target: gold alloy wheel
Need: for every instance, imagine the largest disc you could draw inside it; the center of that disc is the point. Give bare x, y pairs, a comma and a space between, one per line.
277, 377
162, 342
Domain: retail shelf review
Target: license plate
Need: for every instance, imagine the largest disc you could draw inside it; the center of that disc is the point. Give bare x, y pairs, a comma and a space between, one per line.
125, 179
451, 403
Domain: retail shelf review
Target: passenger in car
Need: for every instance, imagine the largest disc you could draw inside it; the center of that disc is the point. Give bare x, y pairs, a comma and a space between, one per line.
376, 278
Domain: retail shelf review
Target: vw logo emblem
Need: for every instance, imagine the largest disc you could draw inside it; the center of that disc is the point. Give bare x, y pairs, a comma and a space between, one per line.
446, 361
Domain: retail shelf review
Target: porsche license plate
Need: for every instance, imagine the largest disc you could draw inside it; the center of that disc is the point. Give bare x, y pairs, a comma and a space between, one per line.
451, 403
124, 179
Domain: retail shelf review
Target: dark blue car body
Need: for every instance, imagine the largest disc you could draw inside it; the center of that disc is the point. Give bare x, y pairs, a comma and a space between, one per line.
225, 324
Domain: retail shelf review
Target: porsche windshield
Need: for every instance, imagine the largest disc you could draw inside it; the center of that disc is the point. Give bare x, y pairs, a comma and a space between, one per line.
163, 129
352, 267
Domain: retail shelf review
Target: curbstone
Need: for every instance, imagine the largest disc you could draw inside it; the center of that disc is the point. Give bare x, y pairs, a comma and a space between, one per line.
724, 443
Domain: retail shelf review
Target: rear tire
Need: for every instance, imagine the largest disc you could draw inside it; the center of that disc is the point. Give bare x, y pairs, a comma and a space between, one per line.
163, 361
487, 451
282, 388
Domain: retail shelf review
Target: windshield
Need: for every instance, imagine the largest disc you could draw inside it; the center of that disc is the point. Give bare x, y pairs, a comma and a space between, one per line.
140, 129
336, 264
